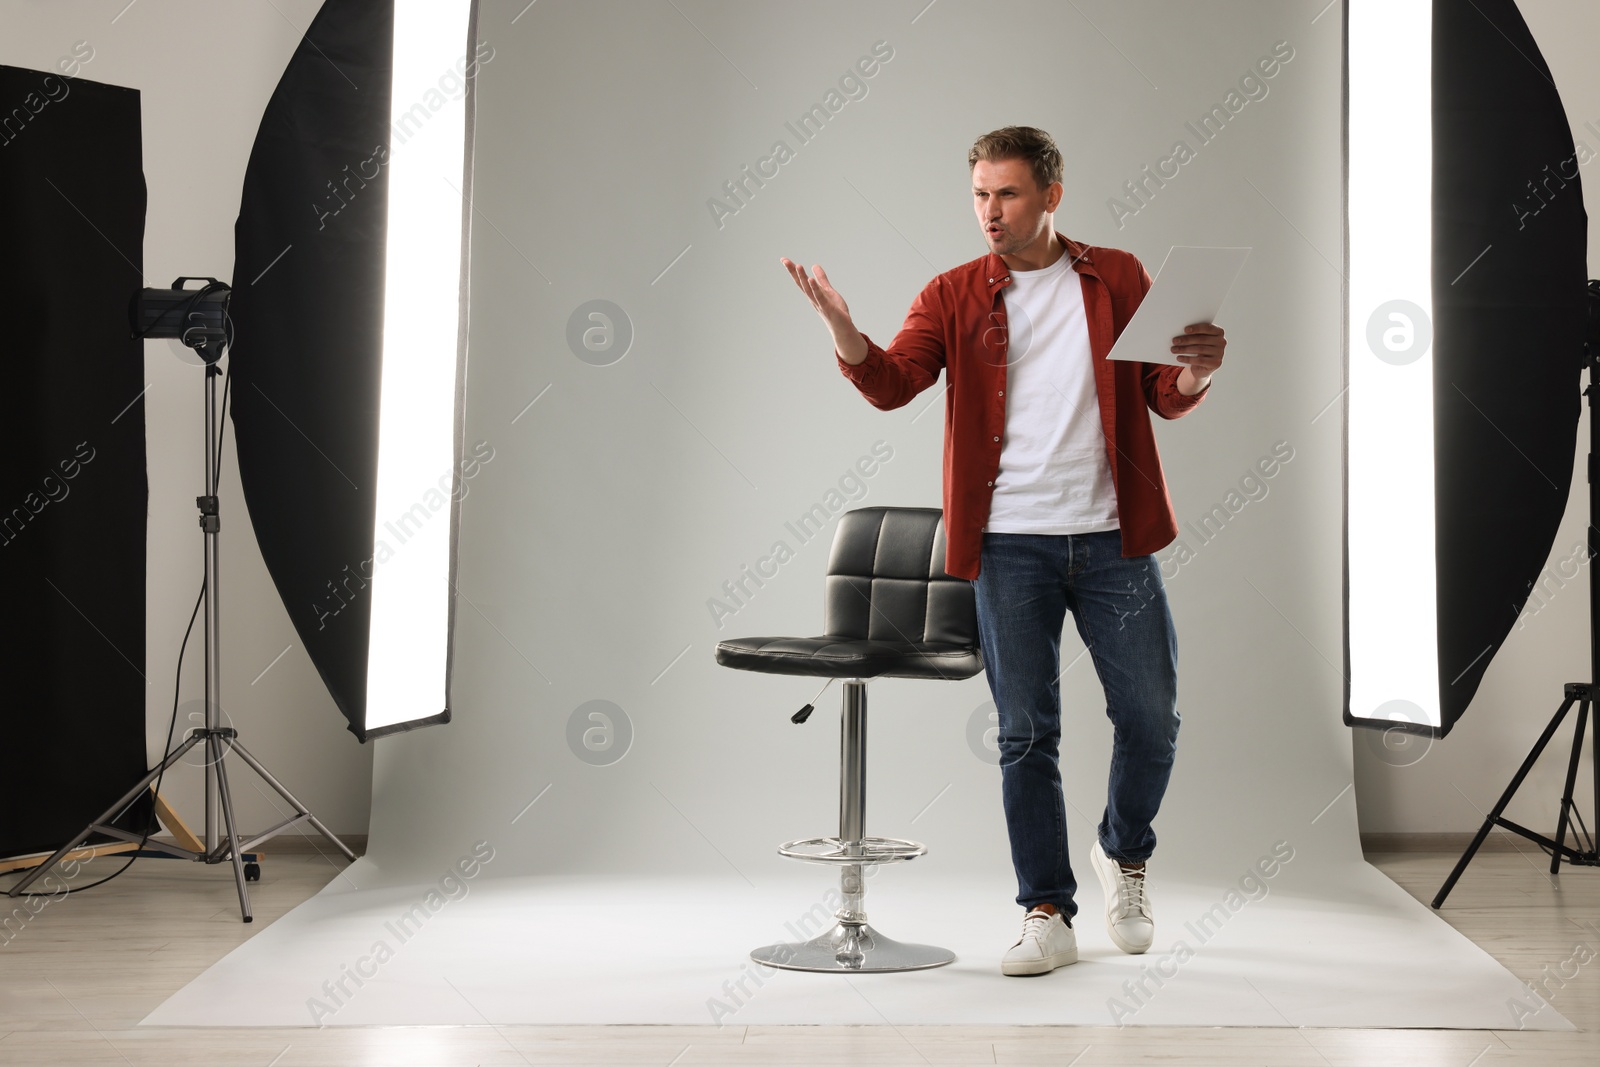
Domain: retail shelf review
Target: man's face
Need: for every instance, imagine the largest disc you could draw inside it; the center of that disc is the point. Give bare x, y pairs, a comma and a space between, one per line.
1012, 209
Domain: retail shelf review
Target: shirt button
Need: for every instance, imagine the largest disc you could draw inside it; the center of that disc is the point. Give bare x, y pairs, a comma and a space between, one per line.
1002, 392
991, 483
997, 438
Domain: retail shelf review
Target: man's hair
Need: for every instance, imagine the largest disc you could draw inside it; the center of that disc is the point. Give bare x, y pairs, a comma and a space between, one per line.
1027, 143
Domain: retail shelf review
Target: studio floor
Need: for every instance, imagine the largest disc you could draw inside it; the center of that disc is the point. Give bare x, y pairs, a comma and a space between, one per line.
77, 979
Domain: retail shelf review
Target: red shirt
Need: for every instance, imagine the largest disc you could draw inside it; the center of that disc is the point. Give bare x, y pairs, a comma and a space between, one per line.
958, 322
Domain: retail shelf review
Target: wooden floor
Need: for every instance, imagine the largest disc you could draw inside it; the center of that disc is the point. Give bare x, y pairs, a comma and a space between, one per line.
76, 978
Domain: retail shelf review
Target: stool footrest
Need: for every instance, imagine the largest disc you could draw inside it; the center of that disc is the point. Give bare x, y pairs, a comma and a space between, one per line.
838, 851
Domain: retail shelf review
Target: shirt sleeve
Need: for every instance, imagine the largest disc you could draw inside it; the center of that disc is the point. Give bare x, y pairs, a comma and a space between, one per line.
1160, 380
890, 377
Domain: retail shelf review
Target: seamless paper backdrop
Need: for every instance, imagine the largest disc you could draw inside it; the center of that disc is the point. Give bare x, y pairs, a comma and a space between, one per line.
669, 442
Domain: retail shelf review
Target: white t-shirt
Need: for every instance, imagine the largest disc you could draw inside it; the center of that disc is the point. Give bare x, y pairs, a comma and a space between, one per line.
1054, 476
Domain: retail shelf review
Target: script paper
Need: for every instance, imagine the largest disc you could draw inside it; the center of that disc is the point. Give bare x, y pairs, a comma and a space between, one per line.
1189, 288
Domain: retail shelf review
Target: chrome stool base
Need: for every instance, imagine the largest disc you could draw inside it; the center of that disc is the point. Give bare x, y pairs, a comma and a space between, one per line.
852, 948
851, 945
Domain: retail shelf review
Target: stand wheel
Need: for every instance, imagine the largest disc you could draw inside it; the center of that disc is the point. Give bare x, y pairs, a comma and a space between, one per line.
252, 872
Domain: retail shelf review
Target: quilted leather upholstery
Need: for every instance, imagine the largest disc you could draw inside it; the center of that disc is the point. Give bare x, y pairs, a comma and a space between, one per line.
889, 609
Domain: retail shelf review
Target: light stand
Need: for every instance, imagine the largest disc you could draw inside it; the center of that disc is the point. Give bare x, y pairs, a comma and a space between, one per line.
1582, 692
220, 741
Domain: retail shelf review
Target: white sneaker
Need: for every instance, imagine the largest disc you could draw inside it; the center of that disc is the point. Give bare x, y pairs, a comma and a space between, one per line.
1127, 902
1047, 942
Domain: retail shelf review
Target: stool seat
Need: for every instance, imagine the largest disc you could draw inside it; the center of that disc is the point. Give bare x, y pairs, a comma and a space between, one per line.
850, 657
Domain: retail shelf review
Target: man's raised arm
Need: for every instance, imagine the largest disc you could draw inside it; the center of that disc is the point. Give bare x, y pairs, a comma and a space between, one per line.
888, 378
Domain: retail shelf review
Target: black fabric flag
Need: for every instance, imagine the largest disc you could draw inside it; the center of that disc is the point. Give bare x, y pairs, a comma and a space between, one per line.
73, 490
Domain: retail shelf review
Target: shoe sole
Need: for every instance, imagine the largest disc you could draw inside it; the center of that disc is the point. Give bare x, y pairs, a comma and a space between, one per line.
1108, 887
1020, 968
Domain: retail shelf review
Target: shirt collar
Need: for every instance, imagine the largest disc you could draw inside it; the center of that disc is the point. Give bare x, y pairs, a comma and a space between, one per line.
998, 275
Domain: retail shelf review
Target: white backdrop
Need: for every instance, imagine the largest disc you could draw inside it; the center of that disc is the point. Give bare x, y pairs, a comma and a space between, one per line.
634, 478
619, 503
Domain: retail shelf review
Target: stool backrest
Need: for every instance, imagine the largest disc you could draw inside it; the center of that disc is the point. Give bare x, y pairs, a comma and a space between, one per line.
886, 580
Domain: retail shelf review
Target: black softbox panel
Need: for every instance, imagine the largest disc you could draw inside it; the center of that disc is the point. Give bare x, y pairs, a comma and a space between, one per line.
1508, 333
73, 491
307, 311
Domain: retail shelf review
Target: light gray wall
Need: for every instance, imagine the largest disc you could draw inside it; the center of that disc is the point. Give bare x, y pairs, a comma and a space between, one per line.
205, 72
623, 498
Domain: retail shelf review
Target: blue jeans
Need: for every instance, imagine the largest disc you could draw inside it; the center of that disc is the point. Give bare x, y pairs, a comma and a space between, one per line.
1025, 585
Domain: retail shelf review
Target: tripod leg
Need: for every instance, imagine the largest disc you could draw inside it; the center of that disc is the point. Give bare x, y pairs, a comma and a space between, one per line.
218, 751
1566, 794
107, 816
267, 777
1505, 798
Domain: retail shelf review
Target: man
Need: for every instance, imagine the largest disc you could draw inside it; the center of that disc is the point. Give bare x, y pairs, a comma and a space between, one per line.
1054, 500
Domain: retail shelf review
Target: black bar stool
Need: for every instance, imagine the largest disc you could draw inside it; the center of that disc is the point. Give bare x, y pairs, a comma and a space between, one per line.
889, 611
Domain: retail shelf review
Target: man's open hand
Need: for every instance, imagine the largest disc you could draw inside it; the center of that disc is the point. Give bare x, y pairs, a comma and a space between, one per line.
823, 296
847, 340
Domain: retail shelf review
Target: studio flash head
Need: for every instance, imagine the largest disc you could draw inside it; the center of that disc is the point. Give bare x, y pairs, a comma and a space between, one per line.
196, 317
